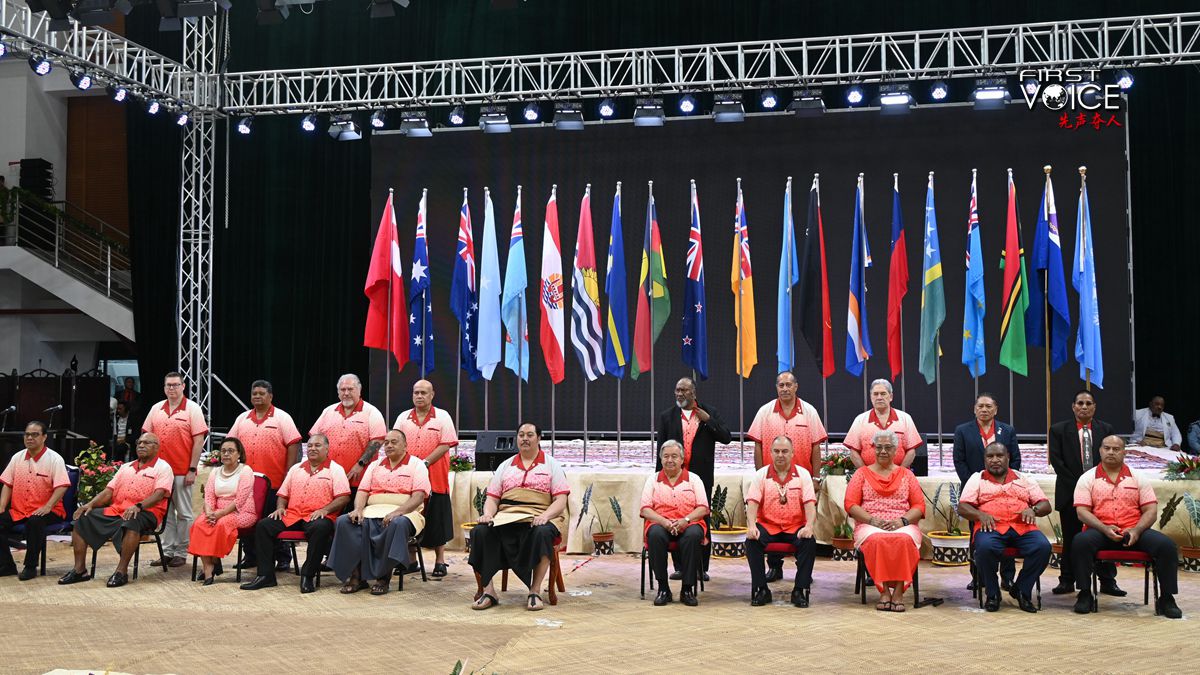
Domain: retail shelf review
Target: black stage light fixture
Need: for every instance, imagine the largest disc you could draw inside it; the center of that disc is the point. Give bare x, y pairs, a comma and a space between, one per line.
855, 95
381, 9
378, 119
342, 127
493, 119
81, 79
728, 108
198, 8
649, 112
415, 124
1124, 79
531, 113
100, 12
245, 125
269, 14
568, 116
807, 103
457, 116
153, 106
895, 99
939, 90
58, 11
607, 108
990, 93
309, 122
3, 49
687, 104
182, 117
768, 99
117, 92
39, 64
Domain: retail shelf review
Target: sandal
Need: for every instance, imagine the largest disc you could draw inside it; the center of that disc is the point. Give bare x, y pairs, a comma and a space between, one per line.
532, 607
883, 606
897, 607
380, 587
354, 586
439, 570
489, 598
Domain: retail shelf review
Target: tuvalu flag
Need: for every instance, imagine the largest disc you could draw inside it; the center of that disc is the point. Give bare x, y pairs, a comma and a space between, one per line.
1016, 300
974, 352
858, 337
695, 321
815, 322
586, 337
463, 300
933, 293
513, 307
654, 302
551, 294
1049, 288
789, 276
616, 344
1083, 277
897, 284
387, 314
741, 279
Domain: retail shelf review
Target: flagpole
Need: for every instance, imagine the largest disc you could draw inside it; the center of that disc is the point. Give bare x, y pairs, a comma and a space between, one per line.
387, 372
1087, 381
618, 419
486, 403
424, 294
553, 420
458, 382
585, 421
1046, 310
938, 375
789, 238
741, 371
825, 405
520, 322
650, 303
903, 402
487, 197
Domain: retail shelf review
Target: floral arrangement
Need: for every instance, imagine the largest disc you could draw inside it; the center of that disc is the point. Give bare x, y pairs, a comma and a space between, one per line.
461, 463
1185, 467
95, 471
212, 456
837, 464
948, 513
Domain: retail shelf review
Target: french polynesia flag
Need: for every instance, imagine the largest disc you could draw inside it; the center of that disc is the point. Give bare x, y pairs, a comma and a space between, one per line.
551, 293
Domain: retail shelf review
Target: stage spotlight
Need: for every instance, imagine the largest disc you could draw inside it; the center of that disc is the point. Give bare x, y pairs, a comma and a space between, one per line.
81, 79
153, 106
100, 12
269, 14
531, 112
309, 122
568, 116
458, 116
990, 93
687, 104
1030, 85
728, 108
186, 9
649, 112
245, 125
182, 117
607, 108
939, 91
39, 64
117, 92
854, 95
1124, 79
894, 99
493, 119
807, 103
378, 119
57, 10
343, 128
768, 99
415, 124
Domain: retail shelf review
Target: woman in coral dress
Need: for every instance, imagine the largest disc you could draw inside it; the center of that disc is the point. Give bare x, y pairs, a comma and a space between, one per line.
228, 507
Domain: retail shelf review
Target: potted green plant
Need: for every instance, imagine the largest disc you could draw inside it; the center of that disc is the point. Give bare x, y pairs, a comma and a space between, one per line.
837, 464
951, 546
728, 541
843, 531
477, 501
600, 527
1056, 546
1190, 524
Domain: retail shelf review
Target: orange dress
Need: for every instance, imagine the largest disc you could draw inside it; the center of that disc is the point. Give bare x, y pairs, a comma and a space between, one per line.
890, 556
219, 539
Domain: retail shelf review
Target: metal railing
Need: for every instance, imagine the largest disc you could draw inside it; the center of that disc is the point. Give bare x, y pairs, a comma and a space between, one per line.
71, 239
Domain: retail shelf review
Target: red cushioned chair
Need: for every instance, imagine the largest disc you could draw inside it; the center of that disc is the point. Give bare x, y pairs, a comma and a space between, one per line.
261, 485
671, 548
291, 538
1135, 557
862, 580
556, 577
70, 504
978, 591
783, 549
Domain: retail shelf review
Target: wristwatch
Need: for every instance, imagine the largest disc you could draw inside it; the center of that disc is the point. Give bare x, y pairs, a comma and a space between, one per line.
140, 507
191, 469
904, 520
362, 464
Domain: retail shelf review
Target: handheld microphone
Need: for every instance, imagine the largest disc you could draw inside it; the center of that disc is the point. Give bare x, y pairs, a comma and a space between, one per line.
9, 409
54, 408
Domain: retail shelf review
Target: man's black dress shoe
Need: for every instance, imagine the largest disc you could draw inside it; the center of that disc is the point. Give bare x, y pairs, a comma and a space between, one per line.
663, 597
1111, 588
308, 584
259, 582
992, 604
688, 597
774, 573
760, 597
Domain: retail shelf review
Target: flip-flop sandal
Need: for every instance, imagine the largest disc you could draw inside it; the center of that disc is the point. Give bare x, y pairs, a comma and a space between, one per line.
380, 587
352, 587
491, 602
897, 607
883, 606
532, 607
439, 570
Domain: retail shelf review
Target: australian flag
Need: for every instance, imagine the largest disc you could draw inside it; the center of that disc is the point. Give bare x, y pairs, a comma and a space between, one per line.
463, 300
420, 304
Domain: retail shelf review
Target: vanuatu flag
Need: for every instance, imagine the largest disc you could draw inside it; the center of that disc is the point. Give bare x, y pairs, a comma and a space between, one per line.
654, 302
1016, 295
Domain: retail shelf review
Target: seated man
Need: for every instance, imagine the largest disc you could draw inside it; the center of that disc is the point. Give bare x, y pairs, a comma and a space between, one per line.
1117, 510
136, 500
1005, 506
311, 497
372, 540
781, 504
34, 483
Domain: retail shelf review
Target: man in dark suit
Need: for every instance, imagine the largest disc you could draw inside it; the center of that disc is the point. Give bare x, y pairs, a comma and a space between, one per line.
698, 428
970, 439
1070, 460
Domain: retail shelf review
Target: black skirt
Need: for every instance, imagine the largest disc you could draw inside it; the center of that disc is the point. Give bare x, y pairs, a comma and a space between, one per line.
516, 546
439, 521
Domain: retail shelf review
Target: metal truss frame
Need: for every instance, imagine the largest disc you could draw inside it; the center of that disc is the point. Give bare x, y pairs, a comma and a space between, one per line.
960, 52
102, 52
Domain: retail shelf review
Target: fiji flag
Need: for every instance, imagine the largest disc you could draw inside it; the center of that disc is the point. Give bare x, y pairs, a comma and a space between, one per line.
515, 312
487, 340
420, 302
858, 338
695, 323
616, 346
463, 300
1048, 288
1083, 278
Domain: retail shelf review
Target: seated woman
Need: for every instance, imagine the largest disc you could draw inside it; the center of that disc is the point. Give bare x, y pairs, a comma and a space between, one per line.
523, 516
228, 507
887, 502
883, 416
674, 504
372, 539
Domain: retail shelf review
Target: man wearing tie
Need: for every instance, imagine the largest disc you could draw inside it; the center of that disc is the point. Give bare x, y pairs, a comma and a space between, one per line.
1074, 449
697, 428
970, 439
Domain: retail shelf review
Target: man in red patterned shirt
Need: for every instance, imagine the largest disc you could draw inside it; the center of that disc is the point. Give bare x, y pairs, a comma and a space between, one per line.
781, 507
34, 483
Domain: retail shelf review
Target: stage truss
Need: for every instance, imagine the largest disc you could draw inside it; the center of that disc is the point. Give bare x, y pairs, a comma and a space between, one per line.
197, 83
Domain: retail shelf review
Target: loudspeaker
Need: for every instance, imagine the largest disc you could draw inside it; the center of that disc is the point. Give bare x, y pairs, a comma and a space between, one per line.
920, 465
492, 448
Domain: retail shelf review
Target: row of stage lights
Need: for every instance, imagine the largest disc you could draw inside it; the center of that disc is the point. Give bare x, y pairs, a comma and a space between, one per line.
83, 80
986, 93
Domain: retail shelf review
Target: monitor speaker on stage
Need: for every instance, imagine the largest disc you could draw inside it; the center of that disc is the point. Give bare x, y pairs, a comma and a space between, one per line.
920, 465
492, 448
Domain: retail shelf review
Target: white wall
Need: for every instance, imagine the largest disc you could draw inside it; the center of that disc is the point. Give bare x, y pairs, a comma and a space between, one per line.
33, 119
48, 340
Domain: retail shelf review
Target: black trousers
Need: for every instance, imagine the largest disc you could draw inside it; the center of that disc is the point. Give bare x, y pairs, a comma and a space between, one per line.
687, 554
282, 553
1071, 527
319, 533
35, 537
806, 551
989, 549
1158, 545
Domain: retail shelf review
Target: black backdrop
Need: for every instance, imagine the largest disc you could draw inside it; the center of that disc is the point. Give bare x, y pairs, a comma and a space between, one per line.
763, 151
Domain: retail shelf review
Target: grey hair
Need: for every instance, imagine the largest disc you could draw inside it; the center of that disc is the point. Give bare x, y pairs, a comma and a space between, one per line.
319, 435
350, 376
886, 385
667, 444
887, 435
789, 441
